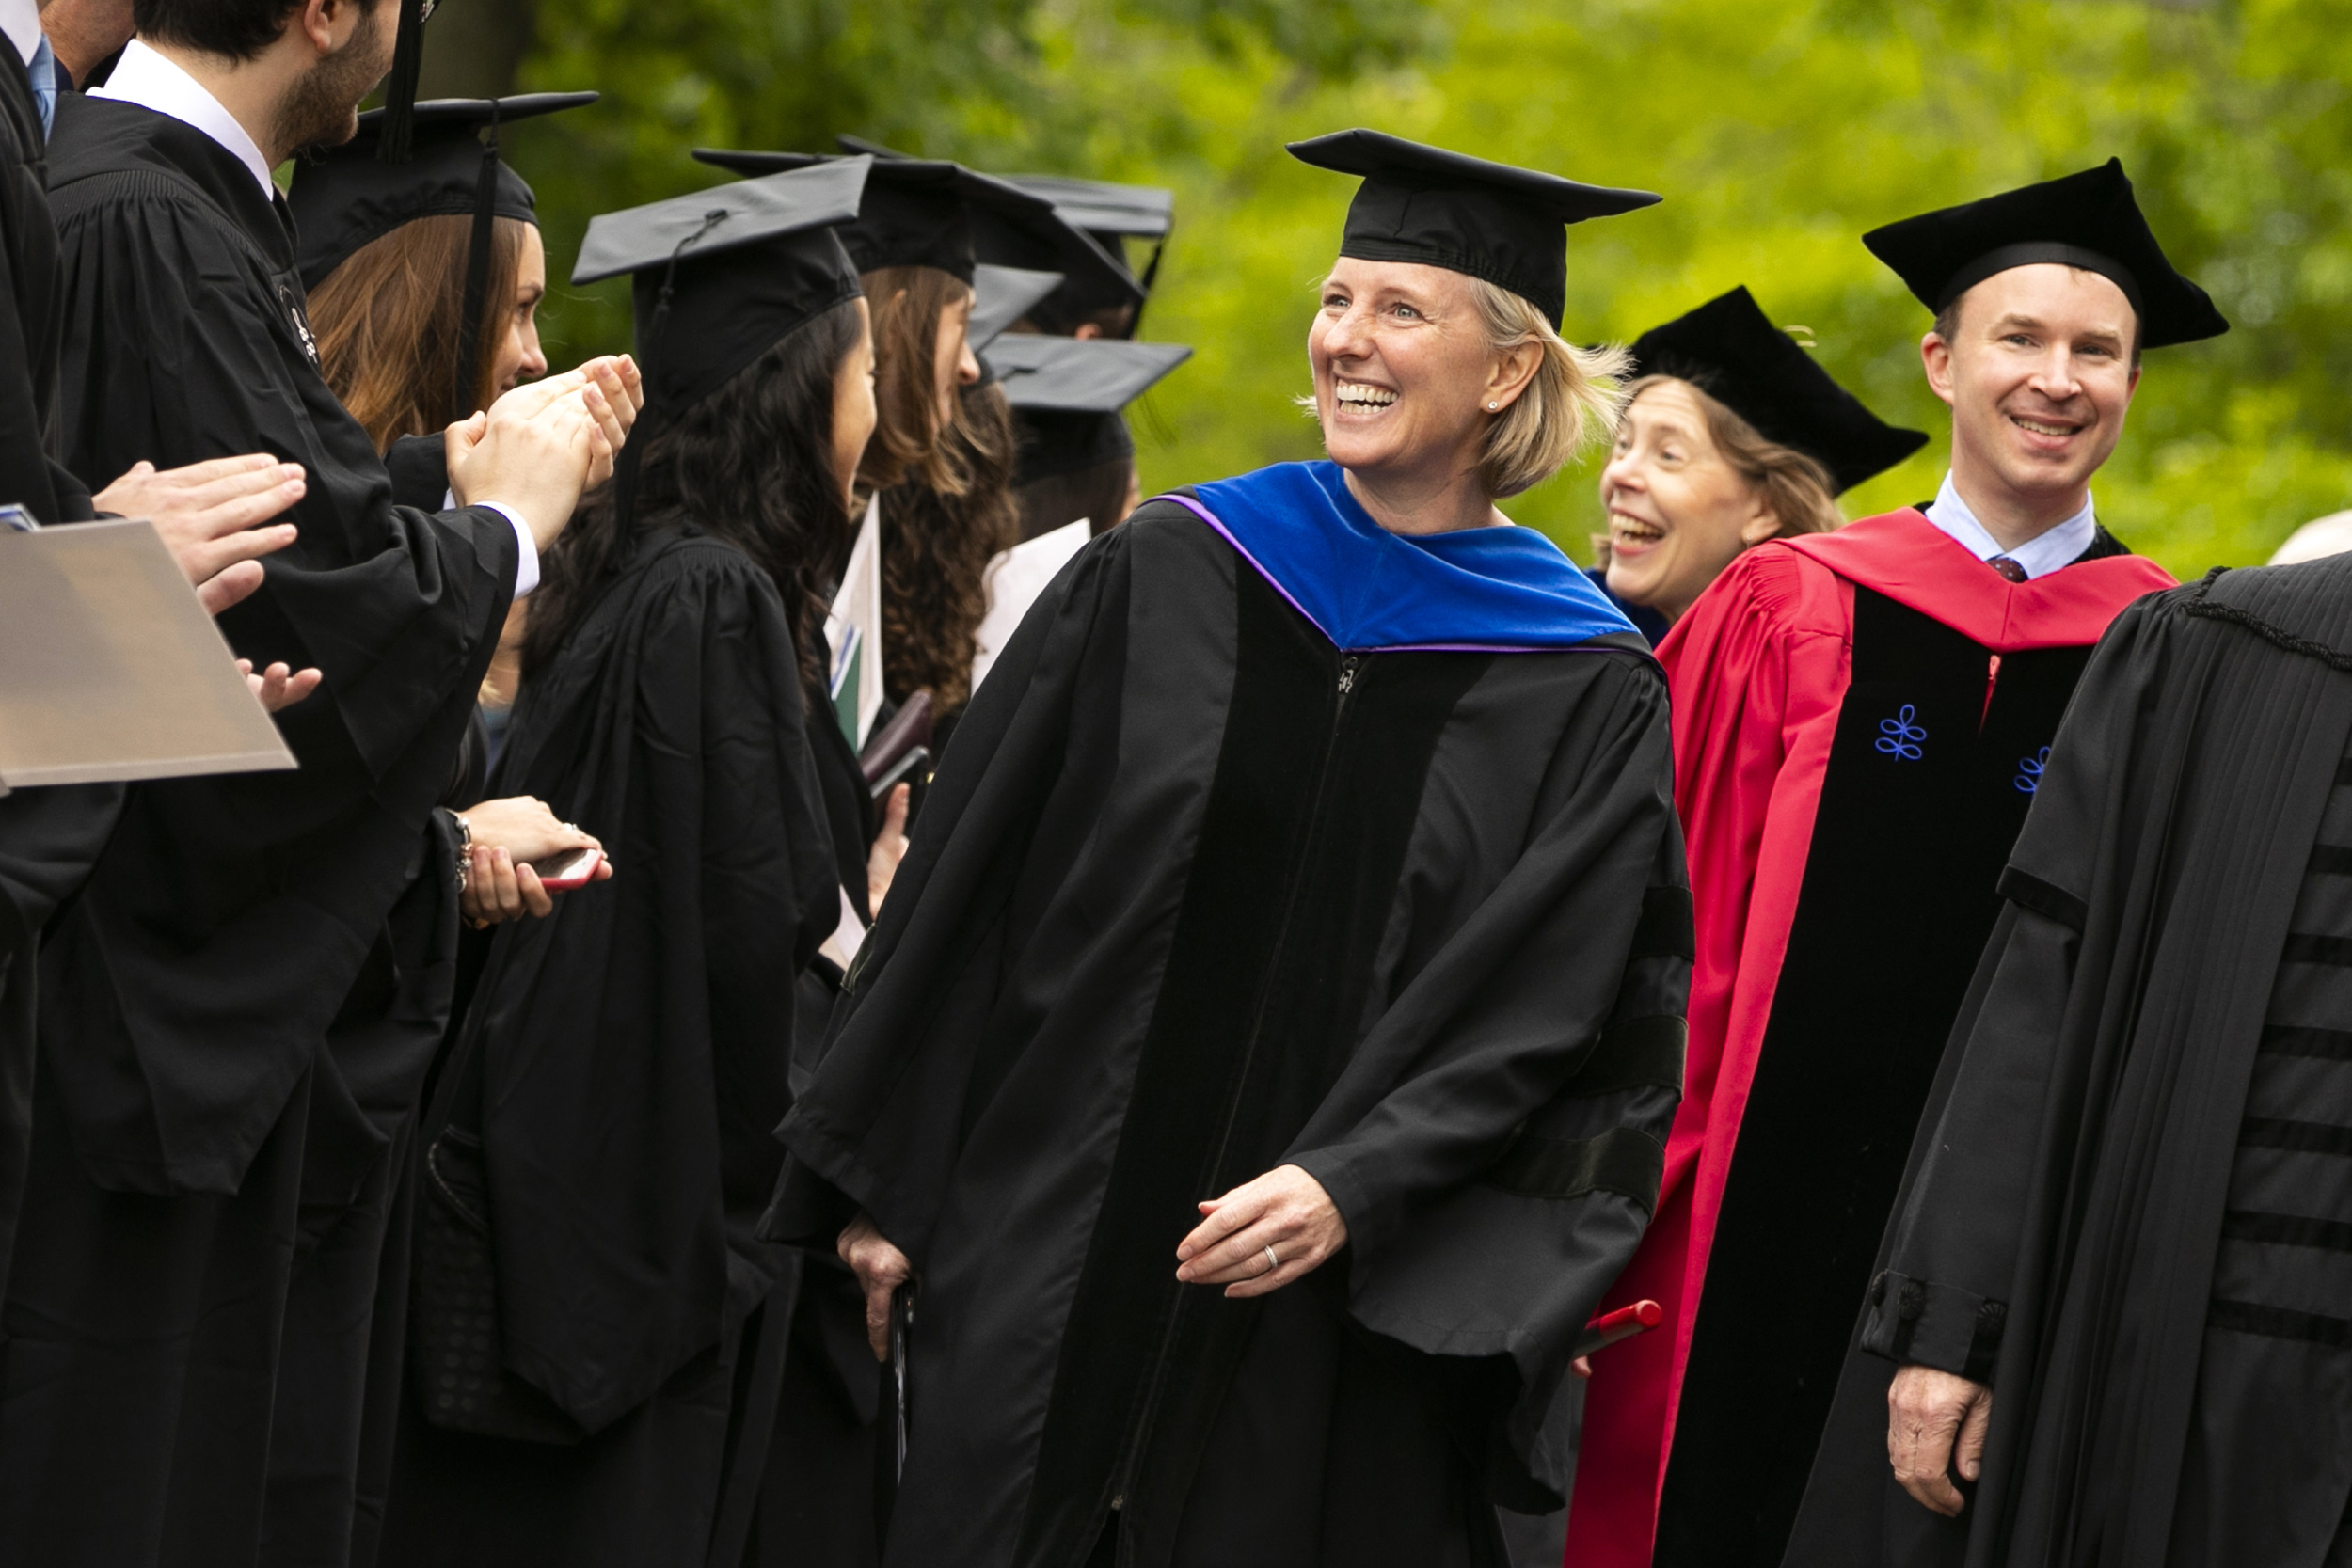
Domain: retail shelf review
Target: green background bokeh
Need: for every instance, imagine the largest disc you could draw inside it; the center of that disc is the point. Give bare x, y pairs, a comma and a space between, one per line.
1778, 133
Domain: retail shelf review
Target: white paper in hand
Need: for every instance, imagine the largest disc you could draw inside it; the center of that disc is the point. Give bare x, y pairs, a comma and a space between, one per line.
1016, 579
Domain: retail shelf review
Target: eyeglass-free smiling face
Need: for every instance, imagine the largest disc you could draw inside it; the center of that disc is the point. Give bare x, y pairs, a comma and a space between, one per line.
1678, 512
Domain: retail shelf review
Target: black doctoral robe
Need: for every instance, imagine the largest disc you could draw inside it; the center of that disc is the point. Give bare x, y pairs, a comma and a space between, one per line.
1195, 896
628, 1063
238, 1011
2128, 1205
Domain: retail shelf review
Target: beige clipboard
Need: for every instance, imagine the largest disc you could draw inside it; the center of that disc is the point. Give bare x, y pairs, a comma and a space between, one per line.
111, 671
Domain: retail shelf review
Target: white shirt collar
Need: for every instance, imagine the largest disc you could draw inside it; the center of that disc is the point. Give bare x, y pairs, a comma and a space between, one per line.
145, 77
21, 21
2039, 556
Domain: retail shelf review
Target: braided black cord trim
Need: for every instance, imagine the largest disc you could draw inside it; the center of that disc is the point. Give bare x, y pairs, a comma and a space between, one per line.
2201, 607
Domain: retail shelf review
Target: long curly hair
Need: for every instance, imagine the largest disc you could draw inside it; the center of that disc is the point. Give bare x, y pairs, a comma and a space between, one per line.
750, 462
936, 547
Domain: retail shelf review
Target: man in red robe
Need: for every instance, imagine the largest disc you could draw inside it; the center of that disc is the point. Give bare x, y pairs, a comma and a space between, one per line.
1860, 721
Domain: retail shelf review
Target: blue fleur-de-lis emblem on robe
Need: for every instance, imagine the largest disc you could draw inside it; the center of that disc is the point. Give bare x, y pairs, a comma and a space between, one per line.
1903, 735
2029, 771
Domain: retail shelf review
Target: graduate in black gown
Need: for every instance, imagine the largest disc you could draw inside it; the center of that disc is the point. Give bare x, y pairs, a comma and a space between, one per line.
2118, 1284
1068, 396
238, 1008
1262, 1061
599, 1336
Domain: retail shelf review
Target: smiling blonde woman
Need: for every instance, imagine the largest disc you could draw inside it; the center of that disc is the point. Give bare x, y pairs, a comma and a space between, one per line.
1266, 1063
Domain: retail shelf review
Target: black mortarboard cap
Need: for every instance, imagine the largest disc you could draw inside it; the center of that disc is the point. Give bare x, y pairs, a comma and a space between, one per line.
1001, 296
1730, 349
725, 275
1100, 208
343, 198
918, 211
1449, 209
1039, 239
1067, 393
2088, 220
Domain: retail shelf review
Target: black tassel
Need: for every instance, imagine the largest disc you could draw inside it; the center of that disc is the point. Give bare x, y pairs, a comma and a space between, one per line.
486, 194
648, 351
400, 88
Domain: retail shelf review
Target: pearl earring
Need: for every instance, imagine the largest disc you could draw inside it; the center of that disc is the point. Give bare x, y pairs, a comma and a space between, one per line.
1492, 407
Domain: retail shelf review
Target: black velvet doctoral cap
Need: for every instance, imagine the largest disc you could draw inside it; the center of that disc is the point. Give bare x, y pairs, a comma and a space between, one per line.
1449, 209
917, 213
1067, 394
1730, 349
1001, 296
725, 275
2088, 220
346, 197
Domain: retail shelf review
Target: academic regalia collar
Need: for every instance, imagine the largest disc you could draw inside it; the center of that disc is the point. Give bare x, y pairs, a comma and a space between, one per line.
101, 135
1911, 560
1499, 589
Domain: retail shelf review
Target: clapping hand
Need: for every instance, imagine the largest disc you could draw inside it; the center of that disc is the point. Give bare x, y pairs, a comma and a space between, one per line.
208, 513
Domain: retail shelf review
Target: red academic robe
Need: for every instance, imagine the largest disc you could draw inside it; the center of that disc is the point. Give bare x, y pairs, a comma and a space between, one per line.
1759, 672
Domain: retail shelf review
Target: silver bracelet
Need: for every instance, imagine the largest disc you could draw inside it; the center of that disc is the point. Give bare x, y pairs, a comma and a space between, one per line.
465, 849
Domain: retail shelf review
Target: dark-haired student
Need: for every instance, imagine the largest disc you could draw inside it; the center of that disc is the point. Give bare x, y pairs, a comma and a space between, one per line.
603, 1138
232, 1040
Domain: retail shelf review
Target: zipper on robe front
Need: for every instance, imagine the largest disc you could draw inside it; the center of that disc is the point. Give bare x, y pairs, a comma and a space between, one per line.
1138, 1435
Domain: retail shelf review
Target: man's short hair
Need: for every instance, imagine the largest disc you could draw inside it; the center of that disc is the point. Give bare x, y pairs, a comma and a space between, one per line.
233, 29
1947, 326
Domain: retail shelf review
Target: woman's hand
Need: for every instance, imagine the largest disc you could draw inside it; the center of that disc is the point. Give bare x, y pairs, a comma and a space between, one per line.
881, 1269
500, 885
890, 847
277, 686
1263, 1235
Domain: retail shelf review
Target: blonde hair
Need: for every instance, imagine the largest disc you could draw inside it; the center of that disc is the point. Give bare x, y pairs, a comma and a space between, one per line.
1797, 490
1574, 399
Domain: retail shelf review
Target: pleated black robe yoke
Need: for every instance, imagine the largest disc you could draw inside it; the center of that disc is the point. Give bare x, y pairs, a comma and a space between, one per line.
2081, 1224
1198, 893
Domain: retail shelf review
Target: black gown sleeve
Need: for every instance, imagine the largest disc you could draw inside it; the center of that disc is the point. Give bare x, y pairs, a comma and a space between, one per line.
193, 984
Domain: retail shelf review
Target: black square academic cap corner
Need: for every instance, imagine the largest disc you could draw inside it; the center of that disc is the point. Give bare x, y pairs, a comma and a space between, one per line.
2088, 220
1067, 394
345, 198
1730, 349
1424, 205
1001, 296
917, 212
1079, 375
1101, 207
726, 274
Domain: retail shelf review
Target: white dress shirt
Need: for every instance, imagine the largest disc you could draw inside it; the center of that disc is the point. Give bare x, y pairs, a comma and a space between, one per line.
21, 21
2038, 557
144, 76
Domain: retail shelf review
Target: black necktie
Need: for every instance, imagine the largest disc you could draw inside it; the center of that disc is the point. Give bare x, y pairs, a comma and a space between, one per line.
2007, 568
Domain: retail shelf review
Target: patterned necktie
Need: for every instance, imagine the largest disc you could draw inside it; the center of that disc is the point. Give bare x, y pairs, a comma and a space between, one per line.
43, 67
2007, 568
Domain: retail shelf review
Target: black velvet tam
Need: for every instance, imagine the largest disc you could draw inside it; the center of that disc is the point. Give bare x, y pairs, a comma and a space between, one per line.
346, 197
725, 275
2088, 220
1442, 208
1729, 349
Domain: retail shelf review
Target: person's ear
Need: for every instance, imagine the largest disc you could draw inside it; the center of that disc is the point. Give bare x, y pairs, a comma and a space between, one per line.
1935, 356
1761, 523
1513, 368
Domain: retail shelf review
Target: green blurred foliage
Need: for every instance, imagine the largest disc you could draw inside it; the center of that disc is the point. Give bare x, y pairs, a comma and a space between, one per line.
1779, 130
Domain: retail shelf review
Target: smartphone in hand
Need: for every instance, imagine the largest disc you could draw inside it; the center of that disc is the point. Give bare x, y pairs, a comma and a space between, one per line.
570, 870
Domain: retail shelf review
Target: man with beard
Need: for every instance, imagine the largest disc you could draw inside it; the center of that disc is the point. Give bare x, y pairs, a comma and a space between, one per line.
239, 1008
1861, 719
